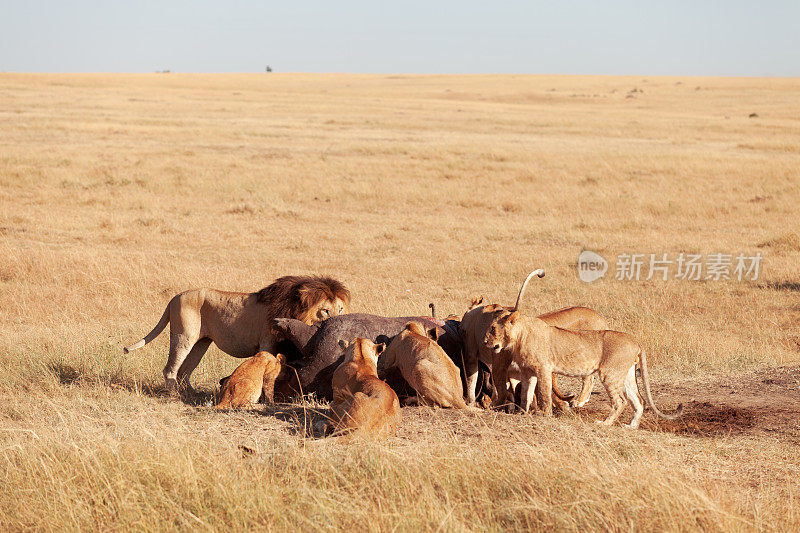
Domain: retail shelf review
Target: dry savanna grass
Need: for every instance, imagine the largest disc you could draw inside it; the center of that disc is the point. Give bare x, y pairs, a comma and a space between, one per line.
118, 191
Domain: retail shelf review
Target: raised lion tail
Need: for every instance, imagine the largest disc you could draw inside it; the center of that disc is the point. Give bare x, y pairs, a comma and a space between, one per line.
152, 335
538, 272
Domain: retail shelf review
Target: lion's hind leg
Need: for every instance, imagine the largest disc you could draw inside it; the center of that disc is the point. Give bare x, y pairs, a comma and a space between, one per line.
190, 363
615, 389
425, 401
586, 392
632, 392
179, 347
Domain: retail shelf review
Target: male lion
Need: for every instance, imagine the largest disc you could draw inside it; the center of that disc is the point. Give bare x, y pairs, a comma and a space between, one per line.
362, 403
541, 350
476, 321
251, 379
241, 324
425, 366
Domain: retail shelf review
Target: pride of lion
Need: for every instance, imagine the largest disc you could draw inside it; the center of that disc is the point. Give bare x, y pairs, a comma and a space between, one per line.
522, 352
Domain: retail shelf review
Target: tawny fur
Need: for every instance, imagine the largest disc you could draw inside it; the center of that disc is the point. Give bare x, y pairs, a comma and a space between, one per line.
541, 350
253, 377
475, 323
425, 366
240, 324
363, 404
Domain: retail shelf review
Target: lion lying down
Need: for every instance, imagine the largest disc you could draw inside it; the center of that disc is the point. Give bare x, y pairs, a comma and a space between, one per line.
253, 377
362, 403
425, 366
541, 350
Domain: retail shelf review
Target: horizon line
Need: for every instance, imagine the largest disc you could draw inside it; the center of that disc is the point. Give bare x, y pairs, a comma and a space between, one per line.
420, 74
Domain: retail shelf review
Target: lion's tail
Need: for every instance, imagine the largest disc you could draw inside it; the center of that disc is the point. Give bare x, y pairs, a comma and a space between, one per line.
646, 381
559, 393
153, 334
538, 272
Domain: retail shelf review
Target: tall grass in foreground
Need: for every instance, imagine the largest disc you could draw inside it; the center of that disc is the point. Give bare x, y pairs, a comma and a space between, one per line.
159, 472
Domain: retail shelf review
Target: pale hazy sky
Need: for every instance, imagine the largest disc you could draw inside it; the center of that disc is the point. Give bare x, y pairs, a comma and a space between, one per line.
756, 38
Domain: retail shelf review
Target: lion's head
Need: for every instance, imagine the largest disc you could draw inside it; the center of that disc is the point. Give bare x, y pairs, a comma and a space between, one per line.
311, 299
499, 334
362, 350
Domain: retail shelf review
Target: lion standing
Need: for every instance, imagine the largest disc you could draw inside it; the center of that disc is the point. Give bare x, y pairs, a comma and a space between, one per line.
240, 324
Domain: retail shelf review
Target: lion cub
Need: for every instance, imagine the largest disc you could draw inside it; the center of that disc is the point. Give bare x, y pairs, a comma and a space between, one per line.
362, 403
254, 376
426, 367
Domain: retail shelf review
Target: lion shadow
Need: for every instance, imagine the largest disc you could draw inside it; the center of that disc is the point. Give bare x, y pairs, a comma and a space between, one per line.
782, 285
700, 419
66, 374
302, 420
69, 375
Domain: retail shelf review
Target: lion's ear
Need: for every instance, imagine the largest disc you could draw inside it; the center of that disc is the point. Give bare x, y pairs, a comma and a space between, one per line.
342, 344
433, 334
512, 318
478, 300
379, 348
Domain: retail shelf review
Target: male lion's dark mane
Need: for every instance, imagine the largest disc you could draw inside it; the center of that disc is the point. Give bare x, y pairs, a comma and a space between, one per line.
292, 296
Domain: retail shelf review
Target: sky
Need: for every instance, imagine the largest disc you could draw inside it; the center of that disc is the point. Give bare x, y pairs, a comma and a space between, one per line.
667, 37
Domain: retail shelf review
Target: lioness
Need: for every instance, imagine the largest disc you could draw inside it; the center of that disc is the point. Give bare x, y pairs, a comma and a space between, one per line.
363, 403
476, 321
241, 324
253, 377
425, 366
541, 350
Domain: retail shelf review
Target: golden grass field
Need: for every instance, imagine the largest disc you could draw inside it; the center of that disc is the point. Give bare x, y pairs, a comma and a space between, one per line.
119, 191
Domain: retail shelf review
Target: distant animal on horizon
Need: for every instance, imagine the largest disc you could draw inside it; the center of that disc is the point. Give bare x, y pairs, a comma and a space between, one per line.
363, 404
239, 323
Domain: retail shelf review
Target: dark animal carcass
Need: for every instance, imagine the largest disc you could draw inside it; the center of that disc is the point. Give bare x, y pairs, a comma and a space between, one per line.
321, 353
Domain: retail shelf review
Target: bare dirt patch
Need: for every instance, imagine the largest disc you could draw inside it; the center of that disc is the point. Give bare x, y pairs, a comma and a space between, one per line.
756, 403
